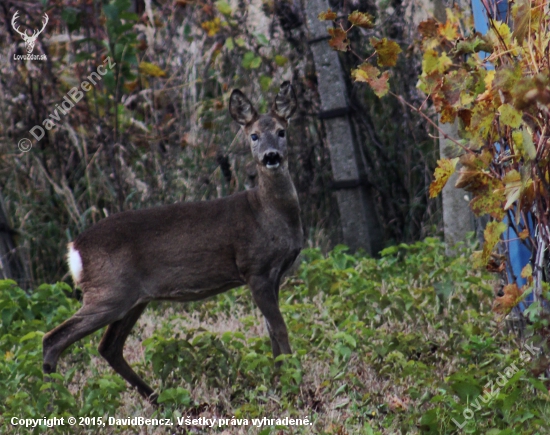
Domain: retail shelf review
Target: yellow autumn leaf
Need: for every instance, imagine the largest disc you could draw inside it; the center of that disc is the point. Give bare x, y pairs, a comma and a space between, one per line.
453, 16
512, 187
504, 304
431, 62
328, 15
445, 168
488, 199
501, 36
361, 19
387, 51
509, 116
527, 271
212, 27
150, 69
492, 234
488, 79
370, 74
523, 234
523, 142
475, 258
449, 31
365, 72
482, 123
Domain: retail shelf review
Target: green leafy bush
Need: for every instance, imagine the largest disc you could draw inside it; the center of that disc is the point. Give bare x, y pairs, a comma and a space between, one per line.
24, 391
403, 344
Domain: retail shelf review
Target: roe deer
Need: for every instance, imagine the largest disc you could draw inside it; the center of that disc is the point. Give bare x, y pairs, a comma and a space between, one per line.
190, 251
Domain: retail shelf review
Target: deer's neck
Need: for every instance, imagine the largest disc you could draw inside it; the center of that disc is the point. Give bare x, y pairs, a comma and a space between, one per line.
276, 191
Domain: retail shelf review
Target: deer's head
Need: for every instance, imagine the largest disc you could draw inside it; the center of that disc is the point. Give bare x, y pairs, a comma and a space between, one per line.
30, 40
266, 133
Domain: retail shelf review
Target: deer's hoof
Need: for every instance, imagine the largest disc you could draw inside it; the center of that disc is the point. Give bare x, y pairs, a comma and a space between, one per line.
47, 368
153, 399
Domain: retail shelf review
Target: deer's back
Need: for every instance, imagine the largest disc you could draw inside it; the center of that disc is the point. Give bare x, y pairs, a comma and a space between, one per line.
184, 251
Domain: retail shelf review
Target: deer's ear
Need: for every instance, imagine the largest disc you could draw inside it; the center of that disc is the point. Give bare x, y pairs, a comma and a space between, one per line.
285, 102
241, 109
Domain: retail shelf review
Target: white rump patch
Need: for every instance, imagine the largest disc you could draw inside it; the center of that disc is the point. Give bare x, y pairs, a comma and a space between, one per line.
75, 263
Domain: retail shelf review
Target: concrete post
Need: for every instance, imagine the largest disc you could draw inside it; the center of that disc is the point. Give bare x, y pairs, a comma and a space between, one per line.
458, 219
358, 219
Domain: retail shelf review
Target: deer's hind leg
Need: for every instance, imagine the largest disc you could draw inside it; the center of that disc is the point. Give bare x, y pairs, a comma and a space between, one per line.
112, 345
96, 312
83, 323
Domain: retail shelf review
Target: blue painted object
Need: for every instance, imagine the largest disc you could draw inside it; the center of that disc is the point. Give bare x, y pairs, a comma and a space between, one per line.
519, 256
518, 253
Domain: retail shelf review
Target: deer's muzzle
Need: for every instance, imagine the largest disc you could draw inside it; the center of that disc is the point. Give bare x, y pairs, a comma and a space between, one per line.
272, 159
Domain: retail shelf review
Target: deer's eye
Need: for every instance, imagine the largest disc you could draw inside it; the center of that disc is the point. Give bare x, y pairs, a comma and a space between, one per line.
281, 133
254, 137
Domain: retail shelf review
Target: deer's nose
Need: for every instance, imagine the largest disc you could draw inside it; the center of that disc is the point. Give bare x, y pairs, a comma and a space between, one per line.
272, 159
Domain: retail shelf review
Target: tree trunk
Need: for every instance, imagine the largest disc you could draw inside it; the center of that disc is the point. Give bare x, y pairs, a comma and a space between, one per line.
11, 266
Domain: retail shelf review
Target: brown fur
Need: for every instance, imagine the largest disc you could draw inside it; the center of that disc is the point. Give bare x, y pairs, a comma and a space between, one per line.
190, 251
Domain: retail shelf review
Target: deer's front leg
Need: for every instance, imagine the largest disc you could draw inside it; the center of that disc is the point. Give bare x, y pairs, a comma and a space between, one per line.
265, 293
276, 350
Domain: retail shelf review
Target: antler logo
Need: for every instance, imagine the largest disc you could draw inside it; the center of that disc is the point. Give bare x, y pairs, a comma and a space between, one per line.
29, 40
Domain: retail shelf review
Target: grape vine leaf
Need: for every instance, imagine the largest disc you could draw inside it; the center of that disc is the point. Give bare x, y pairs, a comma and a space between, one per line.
339, 40
512, 187
428, 28
365, 72
431, 62
448, 31
500, 33
387, 51
445, 168
361, 19
369, 74
380, 85
509, 300
471, 45
488, 200
481, 124
328, 15
509, 115
523, 234
527, 271
522, 14
492, 234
